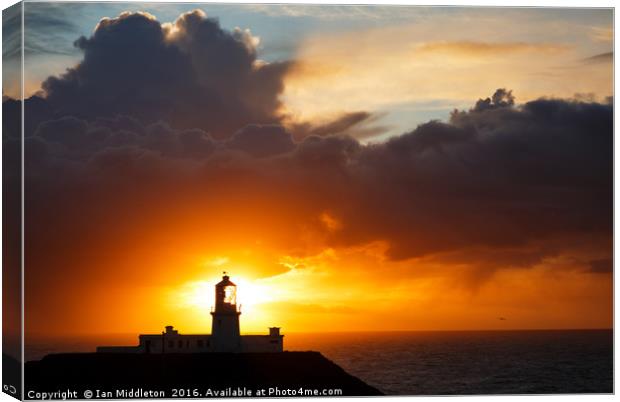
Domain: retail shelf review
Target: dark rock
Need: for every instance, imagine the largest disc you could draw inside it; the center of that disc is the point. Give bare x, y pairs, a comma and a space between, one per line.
216, 371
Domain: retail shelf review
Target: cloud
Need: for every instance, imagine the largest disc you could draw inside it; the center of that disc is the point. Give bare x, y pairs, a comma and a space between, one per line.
495, 49
191, 74
261, 141
11, 32
607, 57
501, 187
602, 266
602, 34
170, 141
53, 29
335, 12
11, 51
523, 179
67, 130
395, 68
501, 98
354, 124
490, 177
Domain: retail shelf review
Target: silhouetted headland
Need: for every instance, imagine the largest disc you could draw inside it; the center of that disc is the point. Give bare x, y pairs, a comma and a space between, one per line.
167, 365
221, 372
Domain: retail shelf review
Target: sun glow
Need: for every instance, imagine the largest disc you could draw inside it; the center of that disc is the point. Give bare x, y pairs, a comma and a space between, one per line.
200, 294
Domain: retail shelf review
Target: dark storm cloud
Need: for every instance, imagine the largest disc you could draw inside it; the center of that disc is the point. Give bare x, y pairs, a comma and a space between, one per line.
332, 153
80, 140
261, 141
497, 175
497, 186
67, 130
191, 74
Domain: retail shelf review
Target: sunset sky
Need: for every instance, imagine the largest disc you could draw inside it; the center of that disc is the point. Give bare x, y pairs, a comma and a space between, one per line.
315, 153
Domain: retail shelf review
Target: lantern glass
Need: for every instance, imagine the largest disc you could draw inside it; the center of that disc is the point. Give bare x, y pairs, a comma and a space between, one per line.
230, 294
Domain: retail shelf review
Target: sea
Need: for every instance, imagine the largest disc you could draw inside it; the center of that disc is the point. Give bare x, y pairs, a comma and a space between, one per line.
442, 362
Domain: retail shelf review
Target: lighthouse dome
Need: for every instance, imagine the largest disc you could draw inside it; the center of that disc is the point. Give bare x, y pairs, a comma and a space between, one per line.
225, 281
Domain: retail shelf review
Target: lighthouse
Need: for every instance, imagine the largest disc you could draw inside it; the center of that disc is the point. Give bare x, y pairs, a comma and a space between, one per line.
224, 337
225, 333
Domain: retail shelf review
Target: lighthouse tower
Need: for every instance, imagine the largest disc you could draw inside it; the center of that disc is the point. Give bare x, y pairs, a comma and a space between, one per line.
225, 334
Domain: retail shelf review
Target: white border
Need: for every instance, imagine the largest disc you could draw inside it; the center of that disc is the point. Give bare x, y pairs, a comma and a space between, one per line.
463, 3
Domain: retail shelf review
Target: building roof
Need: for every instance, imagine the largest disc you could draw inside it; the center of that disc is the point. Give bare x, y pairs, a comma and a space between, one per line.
225, 281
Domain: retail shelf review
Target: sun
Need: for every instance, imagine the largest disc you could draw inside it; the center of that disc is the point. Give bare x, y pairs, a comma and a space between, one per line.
200, 293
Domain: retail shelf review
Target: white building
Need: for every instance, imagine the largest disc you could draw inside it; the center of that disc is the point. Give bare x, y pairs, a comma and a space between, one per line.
224, 337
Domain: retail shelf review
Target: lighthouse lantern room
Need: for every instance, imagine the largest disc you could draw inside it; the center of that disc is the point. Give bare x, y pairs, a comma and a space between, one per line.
225, 295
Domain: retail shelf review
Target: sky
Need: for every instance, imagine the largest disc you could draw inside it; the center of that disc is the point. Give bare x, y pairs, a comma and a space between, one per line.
353, 168
414, 71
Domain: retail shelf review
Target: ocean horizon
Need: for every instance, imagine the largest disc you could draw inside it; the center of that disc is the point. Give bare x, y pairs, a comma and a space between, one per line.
439, 362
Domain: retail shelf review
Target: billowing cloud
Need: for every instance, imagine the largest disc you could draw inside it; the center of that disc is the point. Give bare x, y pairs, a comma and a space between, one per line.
191, 73
262, 140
